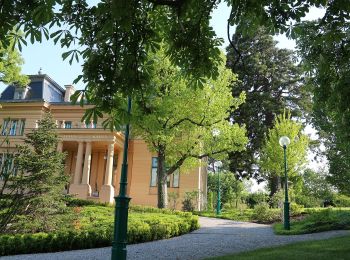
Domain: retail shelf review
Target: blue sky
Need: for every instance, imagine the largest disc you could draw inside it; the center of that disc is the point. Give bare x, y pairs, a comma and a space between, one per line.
47, 56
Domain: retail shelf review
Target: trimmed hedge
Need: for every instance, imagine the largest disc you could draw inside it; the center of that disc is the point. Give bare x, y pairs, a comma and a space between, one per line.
94, 228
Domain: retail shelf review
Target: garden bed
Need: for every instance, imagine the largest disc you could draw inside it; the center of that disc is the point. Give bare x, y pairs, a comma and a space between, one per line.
94, 228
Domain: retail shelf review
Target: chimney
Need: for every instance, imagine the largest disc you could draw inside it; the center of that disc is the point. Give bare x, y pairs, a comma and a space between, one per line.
69, 92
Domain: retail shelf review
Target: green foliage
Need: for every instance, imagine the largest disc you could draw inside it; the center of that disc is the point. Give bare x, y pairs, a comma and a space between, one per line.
318, 221
272, 156
272, 82
232, 214
189, 201
256, 198
296, 209
177, 121
232, 190
263, 214
33, 195
340, 200
136, 28
315, 189
10, 66
326, 60
94, 228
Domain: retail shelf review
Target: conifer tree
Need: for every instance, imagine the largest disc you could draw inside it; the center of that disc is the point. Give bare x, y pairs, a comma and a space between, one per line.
32, 193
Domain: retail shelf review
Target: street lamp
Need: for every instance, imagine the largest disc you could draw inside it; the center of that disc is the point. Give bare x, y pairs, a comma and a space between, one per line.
218, 165
122, 204
284, 142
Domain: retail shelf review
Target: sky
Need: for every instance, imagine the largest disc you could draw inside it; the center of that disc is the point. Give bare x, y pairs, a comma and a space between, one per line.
47, 56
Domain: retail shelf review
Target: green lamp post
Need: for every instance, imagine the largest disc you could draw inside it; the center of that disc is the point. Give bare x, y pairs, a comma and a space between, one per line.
122, 204
218, 165
284, 142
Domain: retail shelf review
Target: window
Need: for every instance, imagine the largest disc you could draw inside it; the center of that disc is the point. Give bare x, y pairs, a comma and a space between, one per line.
154, 171
90, 124
13, 127
68, 124
176, 176
172, 180
7, 165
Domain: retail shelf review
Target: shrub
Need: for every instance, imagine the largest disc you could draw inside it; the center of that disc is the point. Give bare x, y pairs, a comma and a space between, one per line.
318, 220
188, 204
307, 201
341, 201
95, 229
296, 209
255, 198
263, 214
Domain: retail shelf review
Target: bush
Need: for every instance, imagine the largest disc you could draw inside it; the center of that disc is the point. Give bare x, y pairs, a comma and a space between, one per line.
256, 198
308, 201
296, 209
189, 202
263, 214
94, 228
341, 201
318, 220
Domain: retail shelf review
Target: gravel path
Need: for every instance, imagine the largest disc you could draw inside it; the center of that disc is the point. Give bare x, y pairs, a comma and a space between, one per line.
215, 237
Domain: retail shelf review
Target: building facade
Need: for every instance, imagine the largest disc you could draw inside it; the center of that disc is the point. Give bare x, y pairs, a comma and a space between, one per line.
93, 155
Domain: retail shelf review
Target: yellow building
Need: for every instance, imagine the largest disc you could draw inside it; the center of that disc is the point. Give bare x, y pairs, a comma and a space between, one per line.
94, 155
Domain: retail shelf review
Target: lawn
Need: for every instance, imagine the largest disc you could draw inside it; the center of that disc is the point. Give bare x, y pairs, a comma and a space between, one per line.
330, 249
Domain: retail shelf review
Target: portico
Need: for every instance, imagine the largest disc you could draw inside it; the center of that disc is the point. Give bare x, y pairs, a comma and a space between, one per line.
94, 164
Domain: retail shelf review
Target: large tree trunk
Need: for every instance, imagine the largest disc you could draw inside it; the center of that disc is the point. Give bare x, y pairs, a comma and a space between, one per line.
162, 180
275, 184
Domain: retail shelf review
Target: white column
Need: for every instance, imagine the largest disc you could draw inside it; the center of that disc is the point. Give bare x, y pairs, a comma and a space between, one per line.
60, 146
85, 182
87, 164
78, 164
109, 165
107, 190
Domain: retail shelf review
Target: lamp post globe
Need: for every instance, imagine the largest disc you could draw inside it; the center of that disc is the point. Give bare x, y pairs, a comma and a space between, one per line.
218, 165
284, 142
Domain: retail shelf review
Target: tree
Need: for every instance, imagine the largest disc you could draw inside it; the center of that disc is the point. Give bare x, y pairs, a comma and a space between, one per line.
272, 82
32, 187
315, 185
325, 51
177, 121
10, 66
272, 156
231, 189
114, 36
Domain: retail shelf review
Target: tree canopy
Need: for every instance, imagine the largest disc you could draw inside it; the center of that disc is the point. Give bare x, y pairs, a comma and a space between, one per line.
114, 36
325, 50
10, 66
272, 82
272, 157
177, 122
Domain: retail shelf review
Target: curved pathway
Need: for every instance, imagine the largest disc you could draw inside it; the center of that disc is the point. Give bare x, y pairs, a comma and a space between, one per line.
215, 237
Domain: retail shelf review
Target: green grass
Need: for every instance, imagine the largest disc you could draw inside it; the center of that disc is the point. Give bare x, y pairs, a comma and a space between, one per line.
330, 249
247, 215
237, 215
318, 221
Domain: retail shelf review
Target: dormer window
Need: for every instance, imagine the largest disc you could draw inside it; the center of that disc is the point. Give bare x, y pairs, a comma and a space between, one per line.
20, 93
